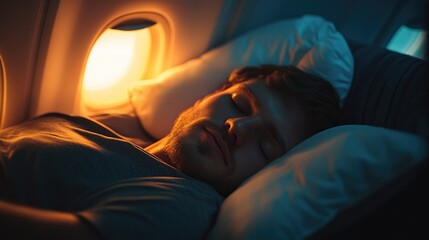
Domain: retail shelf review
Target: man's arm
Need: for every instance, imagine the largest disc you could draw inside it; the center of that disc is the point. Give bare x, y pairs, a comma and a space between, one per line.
22, 222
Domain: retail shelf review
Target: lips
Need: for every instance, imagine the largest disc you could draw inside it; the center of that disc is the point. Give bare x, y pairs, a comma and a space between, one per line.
218, 144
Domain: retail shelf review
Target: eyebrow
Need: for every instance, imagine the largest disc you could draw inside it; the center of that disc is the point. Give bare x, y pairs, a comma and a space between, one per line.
274, 131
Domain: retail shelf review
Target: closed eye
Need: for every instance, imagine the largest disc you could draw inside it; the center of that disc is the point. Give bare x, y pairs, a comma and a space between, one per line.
241, 104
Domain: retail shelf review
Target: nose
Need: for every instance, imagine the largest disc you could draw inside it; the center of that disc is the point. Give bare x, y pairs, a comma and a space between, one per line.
243, 128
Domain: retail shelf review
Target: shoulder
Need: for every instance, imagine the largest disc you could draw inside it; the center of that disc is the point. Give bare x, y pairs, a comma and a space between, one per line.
157, 207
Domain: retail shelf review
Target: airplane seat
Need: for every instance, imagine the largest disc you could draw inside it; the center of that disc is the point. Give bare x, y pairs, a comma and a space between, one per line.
390, 90
387, 89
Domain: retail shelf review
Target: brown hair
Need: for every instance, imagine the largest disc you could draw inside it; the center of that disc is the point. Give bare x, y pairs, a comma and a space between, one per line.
315, 95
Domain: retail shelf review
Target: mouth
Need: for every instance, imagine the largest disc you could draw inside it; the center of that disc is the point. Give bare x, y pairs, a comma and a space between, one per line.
218, 144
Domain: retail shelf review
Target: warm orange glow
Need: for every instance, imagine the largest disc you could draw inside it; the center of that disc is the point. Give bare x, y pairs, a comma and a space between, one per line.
109, 60
2, 93
117, 59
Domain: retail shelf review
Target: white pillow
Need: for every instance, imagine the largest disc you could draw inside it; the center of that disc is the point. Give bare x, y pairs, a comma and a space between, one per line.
310, 43
298, 194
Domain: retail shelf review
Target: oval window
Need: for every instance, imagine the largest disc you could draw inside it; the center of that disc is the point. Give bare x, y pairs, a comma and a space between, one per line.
116, 61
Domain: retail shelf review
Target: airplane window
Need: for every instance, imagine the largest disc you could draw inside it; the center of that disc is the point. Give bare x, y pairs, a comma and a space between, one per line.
117, 59
409, 41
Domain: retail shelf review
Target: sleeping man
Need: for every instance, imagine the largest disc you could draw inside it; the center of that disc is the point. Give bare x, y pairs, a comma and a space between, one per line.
70, 177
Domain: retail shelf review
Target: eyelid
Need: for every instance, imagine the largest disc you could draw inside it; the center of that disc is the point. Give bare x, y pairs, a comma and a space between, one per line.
241, 103
249, 94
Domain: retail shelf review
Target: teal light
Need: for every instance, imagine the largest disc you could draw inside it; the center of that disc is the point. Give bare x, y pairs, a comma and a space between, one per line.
409, 41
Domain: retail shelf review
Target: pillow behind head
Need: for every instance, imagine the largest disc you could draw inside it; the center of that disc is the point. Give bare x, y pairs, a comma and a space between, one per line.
310, 43
301, 192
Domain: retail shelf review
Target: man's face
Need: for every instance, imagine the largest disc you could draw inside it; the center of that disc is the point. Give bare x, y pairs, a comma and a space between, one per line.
231, 134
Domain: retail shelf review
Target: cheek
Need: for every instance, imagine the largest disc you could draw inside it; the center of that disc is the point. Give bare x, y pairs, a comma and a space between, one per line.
249, 161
